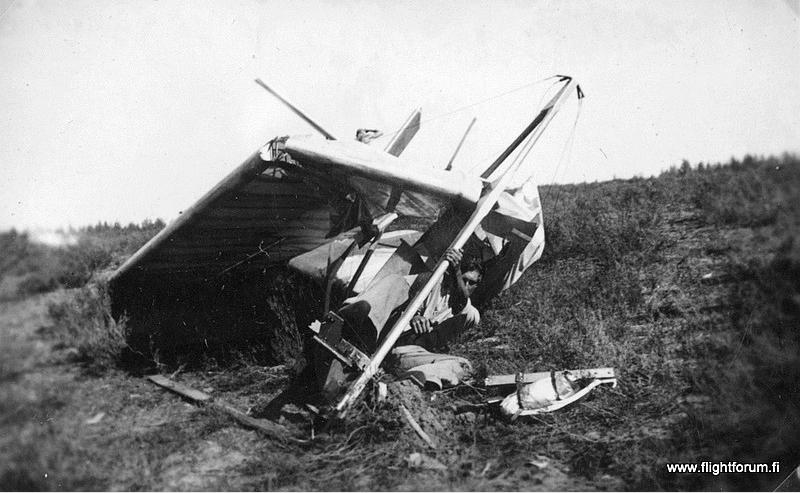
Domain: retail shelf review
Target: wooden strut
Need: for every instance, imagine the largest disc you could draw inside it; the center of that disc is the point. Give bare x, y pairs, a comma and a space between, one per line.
511, 379
396, 146
458, 147
380, 223
483, 207
540, 122
296, 111
273, 430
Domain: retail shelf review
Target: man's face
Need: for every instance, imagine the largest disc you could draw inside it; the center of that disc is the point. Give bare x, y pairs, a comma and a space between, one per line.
471, 279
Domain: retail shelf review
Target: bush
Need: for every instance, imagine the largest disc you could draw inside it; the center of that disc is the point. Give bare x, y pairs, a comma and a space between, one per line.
606, 221
44, 267
19, 254
84, 323
748, 193
36, 283
77, 263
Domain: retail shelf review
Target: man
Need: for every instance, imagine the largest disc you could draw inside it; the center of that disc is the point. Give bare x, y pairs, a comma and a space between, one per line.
446, 313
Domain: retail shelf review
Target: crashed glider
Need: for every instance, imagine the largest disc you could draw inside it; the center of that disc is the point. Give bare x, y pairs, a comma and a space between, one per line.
324, 208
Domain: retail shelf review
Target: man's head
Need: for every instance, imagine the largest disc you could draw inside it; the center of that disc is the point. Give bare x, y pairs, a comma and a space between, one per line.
471, 273
367, 135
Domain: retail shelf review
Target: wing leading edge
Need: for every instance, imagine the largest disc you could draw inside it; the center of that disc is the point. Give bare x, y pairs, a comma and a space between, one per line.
287, 199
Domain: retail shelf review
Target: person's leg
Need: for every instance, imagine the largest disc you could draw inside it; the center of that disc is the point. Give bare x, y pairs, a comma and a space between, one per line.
358, 328
361, 316
366, 314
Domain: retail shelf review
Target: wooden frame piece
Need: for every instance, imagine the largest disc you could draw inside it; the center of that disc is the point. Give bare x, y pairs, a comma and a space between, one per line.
515, 378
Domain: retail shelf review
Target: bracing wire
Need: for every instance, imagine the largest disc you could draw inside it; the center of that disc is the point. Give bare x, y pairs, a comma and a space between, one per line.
478, 103
567, 149
484, 162
527, 145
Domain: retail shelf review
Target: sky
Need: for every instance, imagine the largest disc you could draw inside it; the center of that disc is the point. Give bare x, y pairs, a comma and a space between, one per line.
127, 110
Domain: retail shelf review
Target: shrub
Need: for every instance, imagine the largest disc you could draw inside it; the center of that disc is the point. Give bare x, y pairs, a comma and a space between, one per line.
44, 267
84, 322
36, 283
77, 263
20, 255
744, 198
748, 193
604, 221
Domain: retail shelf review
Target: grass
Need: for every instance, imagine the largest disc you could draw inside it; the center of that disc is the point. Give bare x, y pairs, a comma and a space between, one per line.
708, 370
687, 283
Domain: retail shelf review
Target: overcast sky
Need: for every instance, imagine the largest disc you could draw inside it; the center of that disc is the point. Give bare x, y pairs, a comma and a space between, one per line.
118, 110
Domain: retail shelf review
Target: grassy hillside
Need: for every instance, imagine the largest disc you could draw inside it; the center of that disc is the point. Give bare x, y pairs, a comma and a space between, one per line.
687, 283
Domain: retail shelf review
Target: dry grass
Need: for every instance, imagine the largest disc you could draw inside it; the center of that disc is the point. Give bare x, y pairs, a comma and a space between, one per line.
686, 283
695, 302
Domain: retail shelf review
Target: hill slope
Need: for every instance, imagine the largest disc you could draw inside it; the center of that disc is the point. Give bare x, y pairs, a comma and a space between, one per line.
688, 284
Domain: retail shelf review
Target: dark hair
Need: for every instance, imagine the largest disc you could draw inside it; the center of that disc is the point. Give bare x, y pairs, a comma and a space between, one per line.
472, 263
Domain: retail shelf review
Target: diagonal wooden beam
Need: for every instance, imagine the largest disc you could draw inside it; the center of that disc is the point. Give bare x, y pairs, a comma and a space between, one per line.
296, 111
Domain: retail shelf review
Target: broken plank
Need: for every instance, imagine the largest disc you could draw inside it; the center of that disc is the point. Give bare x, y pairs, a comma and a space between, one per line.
273, 430
180, 389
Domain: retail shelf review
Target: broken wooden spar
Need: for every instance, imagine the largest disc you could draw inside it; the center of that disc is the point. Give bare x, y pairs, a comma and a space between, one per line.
273, 430
297, 111
483, 207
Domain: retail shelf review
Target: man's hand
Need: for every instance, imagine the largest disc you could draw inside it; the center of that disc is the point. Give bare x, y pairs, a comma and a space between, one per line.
421, 325
454, 257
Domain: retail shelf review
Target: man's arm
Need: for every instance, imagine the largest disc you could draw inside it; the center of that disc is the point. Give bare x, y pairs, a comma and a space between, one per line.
454, 258
420, 324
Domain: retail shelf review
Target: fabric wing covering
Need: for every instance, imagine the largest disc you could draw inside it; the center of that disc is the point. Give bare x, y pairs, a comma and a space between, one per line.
263, 213
513, 238
299, 194
509, 240
279, 204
